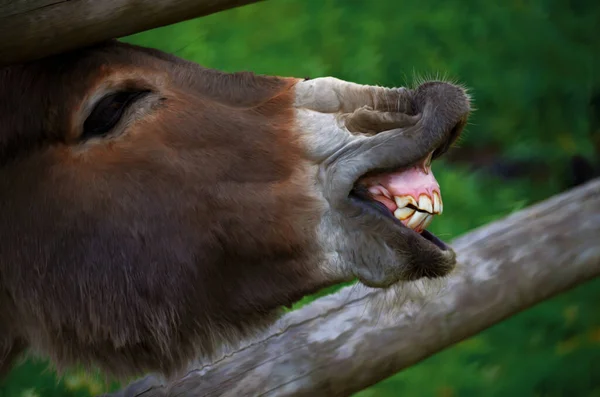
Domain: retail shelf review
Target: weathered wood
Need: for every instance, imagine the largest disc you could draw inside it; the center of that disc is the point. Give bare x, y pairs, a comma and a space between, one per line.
14, 7
350, 340
31, 29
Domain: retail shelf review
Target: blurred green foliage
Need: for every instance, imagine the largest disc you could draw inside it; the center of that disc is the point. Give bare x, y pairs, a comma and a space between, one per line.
533, 69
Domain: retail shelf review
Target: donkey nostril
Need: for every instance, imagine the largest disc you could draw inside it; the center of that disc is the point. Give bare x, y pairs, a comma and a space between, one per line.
452, 137
457, 129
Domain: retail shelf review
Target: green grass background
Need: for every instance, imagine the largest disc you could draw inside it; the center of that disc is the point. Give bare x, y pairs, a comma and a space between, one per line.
533, 69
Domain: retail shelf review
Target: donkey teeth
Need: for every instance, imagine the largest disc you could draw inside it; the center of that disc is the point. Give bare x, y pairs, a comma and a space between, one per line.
426, 222
403, 201
425, 203
403, 213
438, 207
416, 220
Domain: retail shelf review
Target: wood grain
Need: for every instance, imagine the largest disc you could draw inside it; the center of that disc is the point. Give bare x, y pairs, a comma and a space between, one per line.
32, 29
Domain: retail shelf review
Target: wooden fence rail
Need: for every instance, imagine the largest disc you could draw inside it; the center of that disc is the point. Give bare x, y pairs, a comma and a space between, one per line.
345, 342
31, 29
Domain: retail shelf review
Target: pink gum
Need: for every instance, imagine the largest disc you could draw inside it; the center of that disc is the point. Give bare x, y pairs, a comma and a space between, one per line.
411, 182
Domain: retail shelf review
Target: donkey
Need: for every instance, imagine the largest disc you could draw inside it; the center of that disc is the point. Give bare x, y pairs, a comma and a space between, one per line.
152, 209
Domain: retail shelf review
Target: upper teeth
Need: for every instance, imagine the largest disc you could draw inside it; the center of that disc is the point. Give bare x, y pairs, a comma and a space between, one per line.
425, 203
404, 201
415, 219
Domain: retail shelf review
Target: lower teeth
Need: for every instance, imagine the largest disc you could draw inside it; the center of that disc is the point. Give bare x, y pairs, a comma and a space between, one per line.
412, 219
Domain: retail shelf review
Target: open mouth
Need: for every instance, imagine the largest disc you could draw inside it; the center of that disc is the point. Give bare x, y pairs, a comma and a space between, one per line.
410, 196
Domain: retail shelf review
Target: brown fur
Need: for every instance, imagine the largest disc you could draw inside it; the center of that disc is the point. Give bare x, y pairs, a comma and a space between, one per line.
187, 227
194, 185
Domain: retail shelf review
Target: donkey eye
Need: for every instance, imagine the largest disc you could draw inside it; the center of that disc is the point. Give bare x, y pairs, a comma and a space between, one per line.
107, 113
